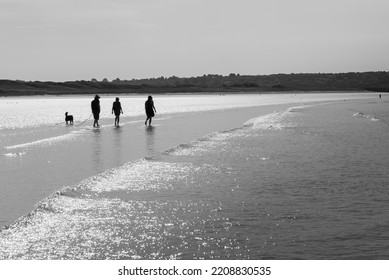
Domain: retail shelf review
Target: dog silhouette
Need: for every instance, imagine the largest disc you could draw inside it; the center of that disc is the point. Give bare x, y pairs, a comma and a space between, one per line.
68, 118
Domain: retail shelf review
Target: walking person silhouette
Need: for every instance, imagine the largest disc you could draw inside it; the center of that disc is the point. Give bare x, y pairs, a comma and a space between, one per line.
95, 105
150, 109
117, 109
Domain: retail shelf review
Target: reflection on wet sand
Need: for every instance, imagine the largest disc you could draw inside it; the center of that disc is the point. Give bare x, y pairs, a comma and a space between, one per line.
118, 144
150, 142
96, 152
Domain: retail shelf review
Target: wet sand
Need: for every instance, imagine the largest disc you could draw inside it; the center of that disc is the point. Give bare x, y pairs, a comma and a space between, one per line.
38, 161
37, 168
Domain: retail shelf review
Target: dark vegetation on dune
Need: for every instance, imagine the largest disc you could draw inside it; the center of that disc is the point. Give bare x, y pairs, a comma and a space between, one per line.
362, 81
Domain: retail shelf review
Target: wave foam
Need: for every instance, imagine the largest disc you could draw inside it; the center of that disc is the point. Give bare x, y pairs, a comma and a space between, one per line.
46, 142
276, 120
138, 176
369, 117
15, 154
205, 144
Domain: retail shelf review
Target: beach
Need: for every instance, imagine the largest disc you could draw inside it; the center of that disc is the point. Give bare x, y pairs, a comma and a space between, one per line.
271, 176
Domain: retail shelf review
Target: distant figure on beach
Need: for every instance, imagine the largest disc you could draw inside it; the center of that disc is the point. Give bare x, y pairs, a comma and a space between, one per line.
150, 109
117, 109
68, 118
380, 96
95, 105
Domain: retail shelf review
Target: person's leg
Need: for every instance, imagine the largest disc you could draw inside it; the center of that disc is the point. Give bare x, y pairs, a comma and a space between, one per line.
95, 118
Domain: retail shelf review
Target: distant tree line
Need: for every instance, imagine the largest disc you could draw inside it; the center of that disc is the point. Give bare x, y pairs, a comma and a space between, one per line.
353, 81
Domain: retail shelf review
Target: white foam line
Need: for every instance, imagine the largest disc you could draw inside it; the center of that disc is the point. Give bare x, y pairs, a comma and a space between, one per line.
43, 141
274, 120
14, 154
370, 117
68, 136
138, 176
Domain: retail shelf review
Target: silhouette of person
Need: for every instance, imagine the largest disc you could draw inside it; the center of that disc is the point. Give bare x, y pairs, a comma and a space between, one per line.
95, 105
150, 109
380, 95
117, 109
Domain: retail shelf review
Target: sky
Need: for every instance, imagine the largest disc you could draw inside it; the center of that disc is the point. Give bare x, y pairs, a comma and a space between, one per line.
63, 40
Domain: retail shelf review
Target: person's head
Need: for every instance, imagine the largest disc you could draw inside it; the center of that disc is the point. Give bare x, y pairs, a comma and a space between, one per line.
117, 99
97, 97
150, 98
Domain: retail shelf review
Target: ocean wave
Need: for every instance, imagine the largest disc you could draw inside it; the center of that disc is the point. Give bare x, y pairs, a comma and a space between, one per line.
216, 140
60, 222
141, 175
88, 220
369, 117
47, 141
205, 144
15, 154
110, 228
276, 120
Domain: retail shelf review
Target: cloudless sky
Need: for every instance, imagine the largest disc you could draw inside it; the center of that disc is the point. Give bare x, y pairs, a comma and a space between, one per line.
59, 40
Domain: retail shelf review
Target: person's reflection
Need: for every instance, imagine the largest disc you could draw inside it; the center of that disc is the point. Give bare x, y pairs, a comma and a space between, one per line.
150, 142
117, 145
96, 152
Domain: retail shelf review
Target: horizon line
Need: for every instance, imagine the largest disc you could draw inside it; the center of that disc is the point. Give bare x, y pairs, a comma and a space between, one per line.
174, 76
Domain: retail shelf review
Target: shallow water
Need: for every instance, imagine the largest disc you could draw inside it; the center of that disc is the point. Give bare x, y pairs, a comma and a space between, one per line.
293, 181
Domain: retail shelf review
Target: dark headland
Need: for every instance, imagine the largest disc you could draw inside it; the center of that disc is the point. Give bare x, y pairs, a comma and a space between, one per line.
353, 81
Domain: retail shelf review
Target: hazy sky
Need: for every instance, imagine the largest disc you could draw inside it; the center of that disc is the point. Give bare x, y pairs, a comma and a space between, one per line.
62, 40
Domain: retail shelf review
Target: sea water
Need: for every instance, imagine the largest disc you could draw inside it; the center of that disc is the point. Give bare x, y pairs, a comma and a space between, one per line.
217, 177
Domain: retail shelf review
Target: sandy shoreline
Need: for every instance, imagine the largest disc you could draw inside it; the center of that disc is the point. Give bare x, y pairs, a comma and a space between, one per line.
44, 160
34, 171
